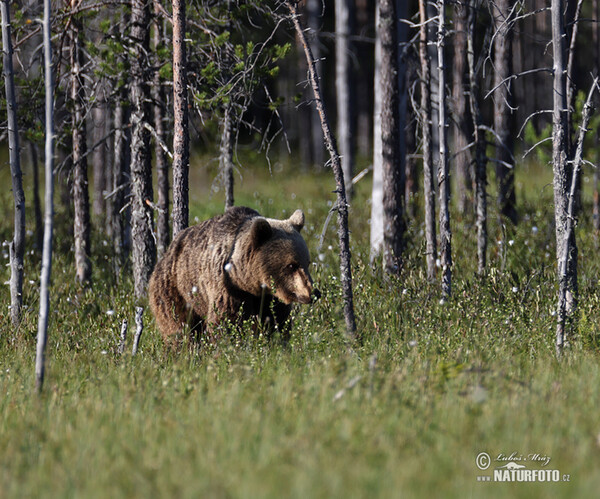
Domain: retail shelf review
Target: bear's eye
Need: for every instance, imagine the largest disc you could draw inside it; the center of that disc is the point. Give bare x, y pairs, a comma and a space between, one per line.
292, 267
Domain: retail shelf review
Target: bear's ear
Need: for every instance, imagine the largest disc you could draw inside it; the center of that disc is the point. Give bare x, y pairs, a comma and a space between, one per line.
260, 231
297, 220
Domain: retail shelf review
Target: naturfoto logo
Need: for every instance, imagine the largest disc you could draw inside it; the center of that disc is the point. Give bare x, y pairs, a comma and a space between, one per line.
517, 467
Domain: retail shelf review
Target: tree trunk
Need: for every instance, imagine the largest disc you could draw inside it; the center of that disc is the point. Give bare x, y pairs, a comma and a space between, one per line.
503, 14
144, 249
376, 226
390, 138
342, 205
443, 178
566, 254
99, 159
426, 121
596, 201
462, 132
181, 137
314, 14
42, 333
568, 242
17, 245
480, 145
344, 21
434, 82
162, 162
37, 206
226, 156
81, 202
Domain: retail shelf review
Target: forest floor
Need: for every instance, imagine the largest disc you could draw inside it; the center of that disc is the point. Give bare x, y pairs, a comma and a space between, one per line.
405, 414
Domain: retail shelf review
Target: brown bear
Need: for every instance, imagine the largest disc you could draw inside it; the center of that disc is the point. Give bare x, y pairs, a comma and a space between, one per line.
233, 267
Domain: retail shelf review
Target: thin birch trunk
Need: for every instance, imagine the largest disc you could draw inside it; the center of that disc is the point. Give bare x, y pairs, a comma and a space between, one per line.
144, 249
560, 157
181, 138
480, 145
37, 206
162, 163
460, 108
344, 14
568, 241
596, 201
42, 334
443, 174
390, 138
17, 245
99, 159
376, 226
428, 174
226, 156
314, 14
503, 19
81, 202
431, 7
342, 205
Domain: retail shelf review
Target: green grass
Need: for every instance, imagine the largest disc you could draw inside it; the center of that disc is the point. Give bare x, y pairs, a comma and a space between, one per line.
403, 415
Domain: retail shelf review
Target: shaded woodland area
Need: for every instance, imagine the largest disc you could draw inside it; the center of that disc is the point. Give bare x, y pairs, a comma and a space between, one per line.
424, 92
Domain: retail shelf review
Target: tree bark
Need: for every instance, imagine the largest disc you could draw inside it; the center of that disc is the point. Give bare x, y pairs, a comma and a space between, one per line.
566, 254
390, 138
568, 241
42, 333
144, 249
443, 174
462, 132
37, 206
17, 245
344, 21
162, 162
342, 205
376, 226
99, 159
596, 200
81, 202
181, 138
426, 121
314, 14
226, 156
480, 145
503, 14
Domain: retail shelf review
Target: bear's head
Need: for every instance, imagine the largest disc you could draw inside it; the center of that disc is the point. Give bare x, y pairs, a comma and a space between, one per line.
271, 254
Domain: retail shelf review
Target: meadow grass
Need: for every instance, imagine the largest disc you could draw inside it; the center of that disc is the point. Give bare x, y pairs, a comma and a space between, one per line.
403, 414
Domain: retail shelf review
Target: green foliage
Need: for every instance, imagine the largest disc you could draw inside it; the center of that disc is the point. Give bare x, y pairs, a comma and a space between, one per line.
432, 385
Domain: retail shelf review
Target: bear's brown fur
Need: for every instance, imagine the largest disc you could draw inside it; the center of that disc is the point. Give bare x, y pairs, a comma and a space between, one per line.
231, 267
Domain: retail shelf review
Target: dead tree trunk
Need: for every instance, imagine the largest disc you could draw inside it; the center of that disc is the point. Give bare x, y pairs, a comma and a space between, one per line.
17, 245
503, 13
42, 333
37, 205
314, 14
428, 175
462, 132
376, 226
144, 249
390, 137
344, 20
566, 252
342, 205
226, 156
568, 241
181, 137
596, 202
162, 162
99, 159
443, 177
81, 201
480, 144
